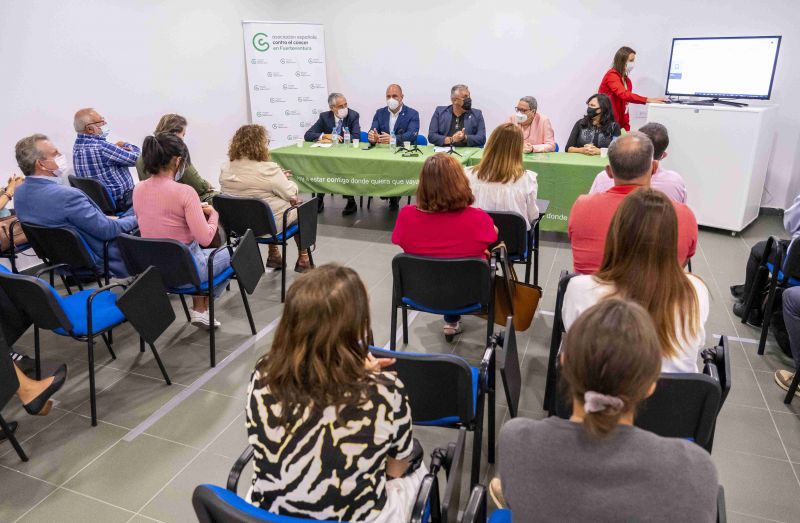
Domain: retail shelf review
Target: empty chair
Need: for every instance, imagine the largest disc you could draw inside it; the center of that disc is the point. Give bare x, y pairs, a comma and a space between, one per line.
522, 244
96, 192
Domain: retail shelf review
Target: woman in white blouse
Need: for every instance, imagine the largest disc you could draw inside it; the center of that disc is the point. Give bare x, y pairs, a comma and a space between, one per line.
640, 264
500, 182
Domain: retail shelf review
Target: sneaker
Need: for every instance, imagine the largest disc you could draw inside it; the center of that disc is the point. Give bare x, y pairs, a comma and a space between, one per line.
496, 493
784, 380
451, 329
201, 319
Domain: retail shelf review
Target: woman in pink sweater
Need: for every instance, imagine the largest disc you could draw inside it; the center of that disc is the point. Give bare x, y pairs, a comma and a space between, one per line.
167, 209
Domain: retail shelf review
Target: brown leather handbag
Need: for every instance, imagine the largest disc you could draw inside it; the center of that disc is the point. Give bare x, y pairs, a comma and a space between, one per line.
513, 297
6, 225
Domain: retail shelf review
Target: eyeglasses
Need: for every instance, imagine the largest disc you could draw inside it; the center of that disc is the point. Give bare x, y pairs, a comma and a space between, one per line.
521, 109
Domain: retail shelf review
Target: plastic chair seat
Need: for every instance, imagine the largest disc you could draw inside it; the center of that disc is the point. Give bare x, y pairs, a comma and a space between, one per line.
502, 515
290, 232
105, 313
453, 420
793, 282
237, 503
467, 309
219, 279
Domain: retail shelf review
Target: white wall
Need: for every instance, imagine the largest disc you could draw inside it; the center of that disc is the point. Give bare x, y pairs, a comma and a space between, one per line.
137, 60
555, 51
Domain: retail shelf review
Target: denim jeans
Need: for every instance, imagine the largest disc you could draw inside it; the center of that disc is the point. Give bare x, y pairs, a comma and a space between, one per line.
791, 316
221, 262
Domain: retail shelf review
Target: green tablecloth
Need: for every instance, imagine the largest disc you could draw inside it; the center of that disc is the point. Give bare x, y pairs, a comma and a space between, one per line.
348, 170
562, 178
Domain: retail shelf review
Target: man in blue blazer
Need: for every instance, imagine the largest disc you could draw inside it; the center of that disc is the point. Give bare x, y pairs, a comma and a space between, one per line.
397, 117
330, 127
457, 124
44, 200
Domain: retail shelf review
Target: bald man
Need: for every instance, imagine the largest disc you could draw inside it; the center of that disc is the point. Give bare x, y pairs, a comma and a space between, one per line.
397, 117
94, 157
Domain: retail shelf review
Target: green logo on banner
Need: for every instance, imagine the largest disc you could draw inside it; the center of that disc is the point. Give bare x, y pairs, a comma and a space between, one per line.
260, 42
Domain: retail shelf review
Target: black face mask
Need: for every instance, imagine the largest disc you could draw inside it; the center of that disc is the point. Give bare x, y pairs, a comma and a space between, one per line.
467, 105
591, 112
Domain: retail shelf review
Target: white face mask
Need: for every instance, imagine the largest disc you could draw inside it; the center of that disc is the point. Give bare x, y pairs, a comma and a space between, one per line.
392, 104
341, 113
105, 130
61, 163
628, 67
521, 117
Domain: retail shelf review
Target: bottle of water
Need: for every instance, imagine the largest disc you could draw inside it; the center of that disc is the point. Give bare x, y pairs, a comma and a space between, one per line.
346, 136
392, 141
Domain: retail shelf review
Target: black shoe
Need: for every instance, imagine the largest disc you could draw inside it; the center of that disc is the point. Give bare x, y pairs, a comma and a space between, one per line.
320, 204
350, 208
12, 426
40, 405
26, 365
753, 319
394, 204
737, 291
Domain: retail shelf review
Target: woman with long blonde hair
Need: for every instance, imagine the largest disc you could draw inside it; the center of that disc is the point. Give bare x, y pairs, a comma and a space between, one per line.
500, 182
640, 263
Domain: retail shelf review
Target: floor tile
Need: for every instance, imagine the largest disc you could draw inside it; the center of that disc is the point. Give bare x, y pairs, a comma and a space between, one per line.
20, 493
67, 506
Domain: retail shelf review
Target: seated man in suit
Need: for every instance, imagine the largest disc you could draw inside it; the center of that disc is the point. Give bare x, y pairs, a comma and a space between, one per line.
330, 128
43, 200
395, 117
457, 124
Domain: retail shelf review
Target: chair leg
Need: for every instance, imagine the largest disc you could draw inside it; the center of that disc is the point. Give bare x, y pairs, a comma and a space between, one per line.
185, 307
141, 344
477, 442
793, 387
36, 352
369, 201
283, 273
773, 290
528, 268
405, 325
491, 422
535, 251
160, 363
758, 283
393, 328
10, 437
13, 260
361, 202
409, 200
92, 390
212, 339
108, 345
247, 306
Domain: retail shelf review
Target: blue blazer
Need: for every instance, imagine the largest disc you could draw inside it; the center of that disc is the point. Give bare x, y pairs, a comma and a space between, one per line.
406, 127
473, 126
46, 202
326, 122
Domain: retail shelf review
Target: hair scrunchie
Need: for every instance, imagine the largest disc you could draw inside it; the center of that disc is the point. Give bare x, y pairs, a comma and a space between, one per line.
596, 402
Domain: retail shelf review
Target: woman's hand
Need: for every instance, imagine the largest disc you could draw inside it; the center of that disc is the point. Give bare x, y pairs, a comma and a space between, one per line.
590, 149
657, 100
208, 210
373, 364
528, 148
287, 173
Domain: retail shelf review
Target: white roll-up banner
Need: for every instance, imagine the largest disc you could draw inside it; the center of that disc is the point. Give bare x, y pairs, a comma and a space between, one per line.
286, 77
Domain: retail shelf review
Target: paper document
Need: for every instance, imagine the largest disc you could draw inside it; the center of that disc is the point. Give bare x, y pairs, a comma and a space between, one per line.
441, 149
320, 144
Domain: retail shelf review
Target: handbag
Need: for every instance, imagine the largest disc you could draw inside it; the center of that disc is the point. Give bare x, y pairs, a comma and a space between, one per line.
6, 225
513, 297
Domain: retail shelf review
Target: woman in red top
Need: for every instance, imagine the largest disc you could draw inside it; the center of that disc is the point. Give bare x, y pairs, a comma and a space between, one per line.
617, 85
442, 224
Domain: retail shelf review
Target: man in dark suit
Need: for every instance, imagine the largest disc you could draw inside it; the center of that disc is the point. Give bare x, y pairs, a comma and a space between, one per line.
457, 124
395, 117
329, 128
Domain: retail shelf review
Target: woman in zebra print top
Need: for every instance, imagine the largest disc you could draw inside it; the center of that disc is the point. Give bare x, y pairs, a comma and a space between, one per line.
331, 431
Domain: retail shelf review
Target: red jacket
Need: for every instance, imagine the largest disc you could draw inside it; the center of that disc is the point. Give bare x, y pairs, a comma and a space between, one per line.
612, 86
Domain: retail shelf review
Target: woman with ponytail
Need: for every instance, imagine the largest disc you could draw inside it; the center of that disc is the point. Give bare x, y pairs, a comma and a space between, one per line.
597, 466
168, 209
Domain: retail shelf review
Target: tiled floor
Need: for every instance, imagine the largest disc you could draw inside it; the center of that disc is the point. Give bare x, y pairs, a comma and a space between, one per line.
79, 473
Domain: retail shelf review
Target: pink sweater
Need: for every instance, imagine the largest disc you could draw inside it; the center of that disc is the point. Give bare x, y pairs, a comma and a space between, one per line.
167, 209
539, 136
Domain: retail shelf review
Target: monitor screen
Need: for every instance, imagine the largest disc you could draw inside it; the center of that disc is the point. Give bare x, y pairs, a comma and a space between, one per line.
723, 67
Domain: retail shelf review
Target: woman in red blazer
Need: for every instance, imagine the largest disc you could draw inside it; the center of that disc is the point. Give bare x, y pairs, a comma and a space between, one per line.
617, 86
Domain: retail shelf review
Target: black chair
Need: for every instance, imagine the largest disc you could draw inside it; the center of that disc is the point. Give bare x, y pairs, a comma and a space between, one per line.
442, 286
179, 272
63, 246
8, 387
509, 367
82, 316
239, 214
551, 381
445, 391
522, 243
14, 249
787, 275
213, 504
96, 192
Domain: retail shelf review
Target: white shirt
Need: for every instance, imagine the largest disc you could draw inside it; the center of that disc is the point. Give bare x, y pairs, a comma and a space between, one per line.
518, 197
393, 118
585, 290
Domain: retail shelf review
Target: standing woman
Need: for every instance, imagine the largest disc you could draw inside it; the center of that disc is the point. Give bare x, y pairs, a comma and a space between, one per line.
616, 84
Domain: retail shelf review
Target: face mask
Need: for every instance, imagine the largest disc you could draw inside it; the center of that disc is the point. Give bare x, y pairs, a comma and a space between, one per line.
61, 164
467, 105
180, 171
521, 117
104, 130
628, 68
591, 112
392, 104
341, 113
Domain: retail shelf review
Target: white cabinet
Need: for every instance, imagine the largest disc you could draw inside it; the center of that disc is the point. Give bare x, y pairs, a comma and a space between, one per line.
722, 153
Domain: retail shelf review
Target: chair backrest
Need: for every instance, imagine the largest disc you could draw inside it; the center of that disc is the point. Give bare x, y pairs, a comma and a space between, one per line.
364, 137
13, 322
238, 214
36, 299
59, 245
96, 191
441, 283
551, 381
307, 215
556, 147
717, 364
173, 259
439, 386
510, 372
8, 376
421, 140
791, 265
513, 230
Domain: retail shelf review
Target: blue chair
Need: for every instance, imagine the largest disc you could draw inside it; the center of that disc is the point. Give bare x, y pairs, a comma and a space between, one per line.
82, 316
14, 249
442, 286
421, 140
238, 214
364, 137
522, 243
556, 147
98, 193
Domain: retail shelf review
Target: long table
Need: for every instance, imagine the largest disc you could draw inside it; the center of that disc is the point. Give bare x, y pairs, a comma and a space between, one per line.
562, 178
381, 172
341, 169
